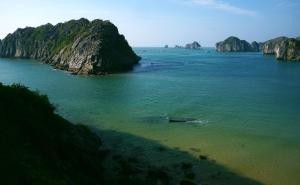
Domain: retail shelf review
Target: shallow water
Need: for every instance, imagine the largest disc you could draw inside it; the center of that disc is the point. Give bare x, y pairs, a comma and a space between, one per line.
246, 105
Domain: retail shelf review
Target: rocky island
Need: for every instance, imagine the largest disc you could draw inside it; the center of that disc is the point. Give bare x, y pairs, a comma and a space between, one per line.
79, 46
234, 44
193, 45
283, 48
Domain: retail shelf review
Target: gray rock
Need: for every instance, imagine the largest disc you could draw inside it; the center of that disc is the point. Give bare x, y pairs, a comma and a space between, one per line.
193, 45
177, 46
269, 46
78, 46
283, 48
234, 44
256, 47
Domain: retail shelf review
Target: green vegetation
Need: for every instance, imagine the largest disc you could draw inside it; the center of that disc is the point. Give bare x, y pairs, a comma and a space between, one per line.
79, 46
59, 36
40, 147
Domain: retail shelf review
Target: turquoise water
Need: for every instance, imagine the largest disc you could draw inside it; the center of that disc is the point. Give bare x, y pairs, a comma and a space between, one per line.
247, 105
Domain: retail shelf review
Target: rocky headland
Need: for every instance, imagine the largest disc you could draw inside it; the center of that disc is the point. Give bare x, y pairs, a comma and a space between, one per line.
283, 48
234, 44
79, 46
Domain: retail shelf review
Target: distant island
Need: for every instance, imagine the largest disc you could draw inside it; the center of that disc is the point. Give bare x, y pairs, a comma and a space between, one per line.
193, 45
234, 44
78, 46
283, 48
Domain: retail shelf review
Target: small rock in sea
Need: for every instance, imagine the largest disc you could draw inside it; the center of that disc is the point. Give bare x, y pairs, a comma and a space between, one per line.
187, 182
203, 157
193, 45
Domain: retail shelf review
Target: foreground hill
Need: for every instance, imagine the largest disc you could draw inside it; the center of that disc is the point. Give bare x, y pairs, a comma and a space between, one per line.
40, 147
78, 46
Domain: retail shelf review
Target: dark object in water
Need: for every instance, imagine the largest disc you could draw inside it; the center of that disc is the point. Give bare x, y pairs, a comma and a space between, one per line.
180, 120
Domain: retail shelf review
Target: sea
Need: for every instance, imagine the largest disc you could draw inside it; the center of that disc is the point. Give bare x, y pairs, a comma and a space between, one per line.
244, 107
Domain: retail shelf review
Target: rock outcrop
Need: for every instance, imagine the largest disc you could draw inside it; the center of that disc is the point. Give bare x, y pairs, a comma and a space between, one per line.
234, 44
193, 45
283, 48
78, 46
256, 47
177, 46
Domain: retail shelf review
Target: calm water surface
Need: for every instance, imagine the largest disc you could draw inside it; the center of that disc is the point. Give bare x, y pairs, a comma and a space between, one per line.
247, 105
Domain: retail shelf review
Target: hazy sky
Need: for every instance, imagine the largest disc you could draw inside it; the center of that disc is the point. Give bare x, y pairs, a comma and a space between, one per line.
159, 22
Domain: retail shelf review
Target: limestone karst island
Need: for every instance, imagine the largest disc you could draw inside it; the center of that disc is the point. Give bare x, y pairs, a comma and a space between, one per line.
143, 92
79, 46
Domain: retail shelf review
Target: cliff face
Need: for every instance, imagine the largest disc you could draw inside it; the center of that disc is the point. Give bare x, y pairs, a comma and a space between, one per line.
234, 44
283, 48
79, 46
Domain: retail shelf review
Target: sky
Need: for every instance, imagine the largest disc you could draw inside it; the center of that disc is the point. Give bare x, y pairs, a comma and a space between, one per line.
151, 23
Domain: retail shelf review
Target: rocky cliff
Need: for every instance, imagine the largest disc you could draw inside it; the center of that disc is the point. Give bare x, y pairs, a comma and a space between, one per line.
193, 45
234, 44
283, 48
79, 46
